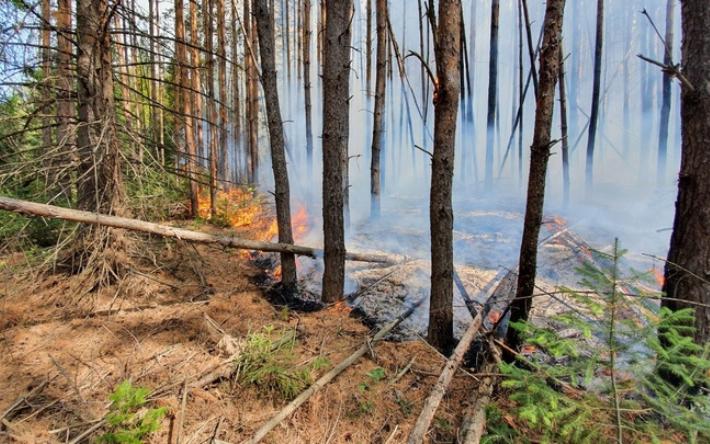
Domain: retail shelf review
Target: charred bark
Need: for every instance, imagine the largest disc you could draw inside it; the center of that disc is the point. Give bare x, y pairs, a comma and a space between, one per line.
441, 216
336, 113
666, 104
687, 271
265, 29
539, 156
594, 116
492, 93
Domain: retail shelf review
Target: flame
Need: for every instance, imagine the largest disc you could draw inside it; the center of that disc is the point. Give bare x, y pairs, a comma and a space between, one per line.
341, 307
659, 276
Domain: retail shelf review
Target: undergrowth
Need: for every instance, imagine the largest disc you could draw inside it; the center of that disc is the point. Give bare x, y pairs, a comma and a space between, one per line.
604, 383
129, 420
268, 362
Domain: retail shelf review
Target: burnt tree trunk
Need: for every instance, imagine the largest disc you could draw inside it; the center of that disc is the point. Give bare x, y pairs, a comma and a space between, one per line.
265, 29
666, 104
336, 114
687, 271
539, 156
441, 215
378, 121
563, 127
492, 93
101, 186
594, 116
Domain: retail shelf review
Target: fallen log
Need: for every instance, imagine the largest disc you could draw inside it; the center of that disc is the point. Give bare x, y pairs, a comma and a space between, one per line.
329, 376
43, 210
474, 423
421, 427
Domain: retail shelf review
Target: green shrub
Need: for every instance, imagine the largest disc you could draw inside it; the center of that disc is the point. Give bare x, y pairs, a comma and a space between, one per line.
128, 419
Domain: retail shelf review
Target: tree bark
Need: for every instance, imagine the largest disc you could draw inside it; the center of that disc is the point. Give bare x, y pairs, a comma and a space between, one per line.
211, 105
666, 104
265, 29
222, 82
378, 121
687, 271
368, 48
65, 85
153, 84
336, 115
492, 93
539, 156
196, 63
563, 127
441, 216
101, 186
236, 108
594, 116
307, 83
47, 83
250, 45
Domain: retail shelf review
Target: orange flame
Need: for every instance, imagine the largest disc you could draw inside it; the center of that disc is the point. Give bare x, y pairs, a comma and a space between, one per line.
659, 276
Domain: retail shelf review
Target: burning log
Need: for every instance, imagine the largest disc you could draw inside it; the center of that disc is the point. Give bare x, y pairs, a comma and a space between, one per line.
326, 378
43, 210
437, 393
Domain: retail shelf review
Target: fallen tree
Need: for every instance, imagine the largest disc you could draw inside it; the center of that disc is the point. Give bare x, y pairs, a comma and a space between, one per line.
43, 210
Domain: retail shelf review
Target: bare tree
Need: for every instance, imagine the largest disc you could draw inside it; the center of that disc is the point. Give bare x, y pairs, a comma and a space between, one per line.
378, 121
65, 86
441, 215
208, 8
492, 92
222, 82
687, 273
539, 156
265, 29
307, 82
336, 114
196, 63
563, 127
594, 116
666, 104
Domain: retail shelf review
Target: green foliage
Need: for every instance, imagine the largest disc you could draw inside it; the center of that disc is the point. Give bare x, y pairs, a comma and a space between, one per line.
612, 377
268, 363
128, 420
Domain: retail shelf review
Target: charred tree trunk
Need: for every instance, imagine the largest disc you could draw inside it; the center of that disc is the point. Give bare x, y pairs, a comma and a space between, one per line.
666, 104
594, 116
687, 271
492, 93
379, 121
539, 156
265, 29
101, 186
336, 114
307, 83
441, 215
222, 82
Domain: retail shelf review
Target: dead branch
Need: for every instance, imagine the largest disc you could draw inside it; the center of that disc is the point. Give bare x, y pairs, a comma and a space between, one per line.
326, 378
437, 394
672, 70
474, 423
43, 210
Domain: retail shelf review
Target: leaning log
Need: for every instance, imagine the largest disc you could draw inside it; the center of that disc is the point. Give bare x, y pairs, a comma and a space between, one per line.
437, 394
43, 210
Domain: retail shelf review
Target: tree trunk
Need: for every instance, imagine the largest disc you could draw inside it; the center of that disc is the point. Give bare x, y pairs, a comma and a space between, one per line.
236, 108
594, 116
687, 271
539, 155
307, 83
211, 105
46, 89
666, 104
65, 85
250, 45
368, 49
378, 122
265, 28
101, 186
492, 93
563, 127
196, 63
222, 82
184, 123
441, 215
336, 115
153, 84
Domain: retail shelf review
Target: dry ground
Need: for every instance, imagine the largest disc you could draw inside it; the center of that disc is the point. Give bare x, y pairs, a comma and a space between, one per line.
152, 330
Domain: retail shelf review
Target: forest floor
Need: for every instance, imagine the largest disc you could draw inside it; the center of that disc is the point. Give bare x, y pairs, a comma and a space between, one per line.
153, 328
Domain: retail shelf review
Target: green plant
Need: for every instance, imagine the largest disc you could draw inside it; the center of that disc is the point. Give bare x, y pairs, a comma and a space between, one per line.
128, 419
267, 362
607, 382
